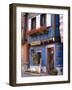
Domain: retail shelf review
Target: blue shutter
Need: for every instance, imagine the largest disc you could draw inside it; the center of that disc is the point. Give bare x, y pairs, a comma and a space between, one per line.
57, 31
30, 57
59, 55
43, 56
50, 33
57, 20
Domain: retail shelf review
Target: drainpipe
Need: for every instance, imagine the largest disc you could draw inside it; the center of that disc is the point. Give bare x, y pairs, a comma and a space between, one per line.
25, 26
54, 28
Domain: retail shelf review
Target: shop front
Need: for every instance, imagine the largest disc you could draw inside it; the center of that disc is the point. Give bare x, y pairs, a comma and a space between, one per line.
46, 58
38, 59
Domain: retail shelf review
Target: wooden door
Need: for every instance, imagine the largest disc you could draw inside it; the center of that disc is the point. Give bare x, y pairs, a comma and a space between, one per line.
50, 59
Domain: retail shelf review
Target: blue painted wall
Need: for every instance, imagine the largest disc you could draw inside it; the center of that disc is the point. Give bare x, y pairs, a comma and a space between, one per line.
48, 35
50, 32
57, 21
44, 56
43, 53
58, 47
30, 57
59, 55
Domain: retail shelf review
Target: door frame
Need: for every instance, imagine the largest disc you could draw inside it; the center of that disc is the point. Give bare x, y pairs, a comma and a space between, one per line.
49, 46
41, 54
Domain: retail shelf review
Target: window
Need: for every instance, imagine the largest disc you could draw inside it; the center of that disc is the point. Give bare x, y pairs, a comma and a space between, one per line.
24, 26
39, 58
33, 23
36, 57
25, 21
43, 20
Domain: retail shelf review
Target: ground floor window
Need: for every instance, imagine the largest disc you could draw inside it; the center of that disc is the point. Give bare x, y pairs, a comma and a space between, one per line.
36, 57
39, 57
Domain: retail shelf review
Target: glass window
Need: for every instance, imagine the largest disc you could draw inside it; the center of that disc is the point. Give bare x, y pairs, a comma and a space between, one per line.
36, 57
43, 19
33, 23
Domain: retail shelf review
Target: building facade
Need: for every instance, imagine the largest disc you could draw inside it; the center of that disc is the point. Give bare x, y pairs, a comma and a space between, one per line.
42, 42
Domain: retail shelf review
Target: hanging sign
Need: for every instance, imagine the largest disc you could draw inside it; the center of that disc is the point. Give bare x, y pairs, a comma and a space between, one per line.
36, 43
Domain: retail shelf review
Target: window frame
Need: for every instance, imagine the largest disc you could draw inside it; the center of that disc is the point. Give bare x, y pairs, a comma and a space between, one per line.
43, 22
33, 20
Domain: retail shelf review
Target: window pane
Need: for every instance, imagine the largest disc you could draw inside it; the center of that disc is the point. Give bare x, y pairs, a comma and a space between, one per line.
33, 23
43, 19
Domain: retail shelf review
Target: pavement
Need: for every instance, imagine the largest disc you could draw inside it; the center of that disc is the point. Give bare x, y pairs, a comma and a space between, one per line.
29, 74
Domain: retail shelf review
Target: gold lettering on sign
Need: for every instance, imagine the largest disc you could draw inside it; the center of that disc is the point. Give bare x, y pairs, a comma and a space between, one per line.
36, 43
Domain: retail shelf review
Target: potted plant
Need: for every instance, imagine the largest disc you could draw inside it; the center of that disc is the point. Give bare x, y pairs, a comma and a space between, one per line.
54, 72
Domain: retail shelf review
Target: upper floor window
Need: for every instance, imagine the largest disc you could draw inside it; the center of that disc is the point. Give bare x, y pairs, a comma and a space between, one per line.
33, 23
43, 20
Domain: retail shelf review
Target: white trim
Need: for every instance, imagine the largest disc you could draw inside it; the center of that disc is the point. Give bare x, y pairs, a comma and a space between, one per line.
49, 46
41, 54
29, 24
61, 27
48, 19
39, 51
37, 21
52, 45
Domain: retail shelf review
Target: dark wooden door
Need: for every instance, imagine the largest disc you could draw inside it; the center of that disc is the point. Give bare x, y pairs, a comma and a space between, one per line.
50, 59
